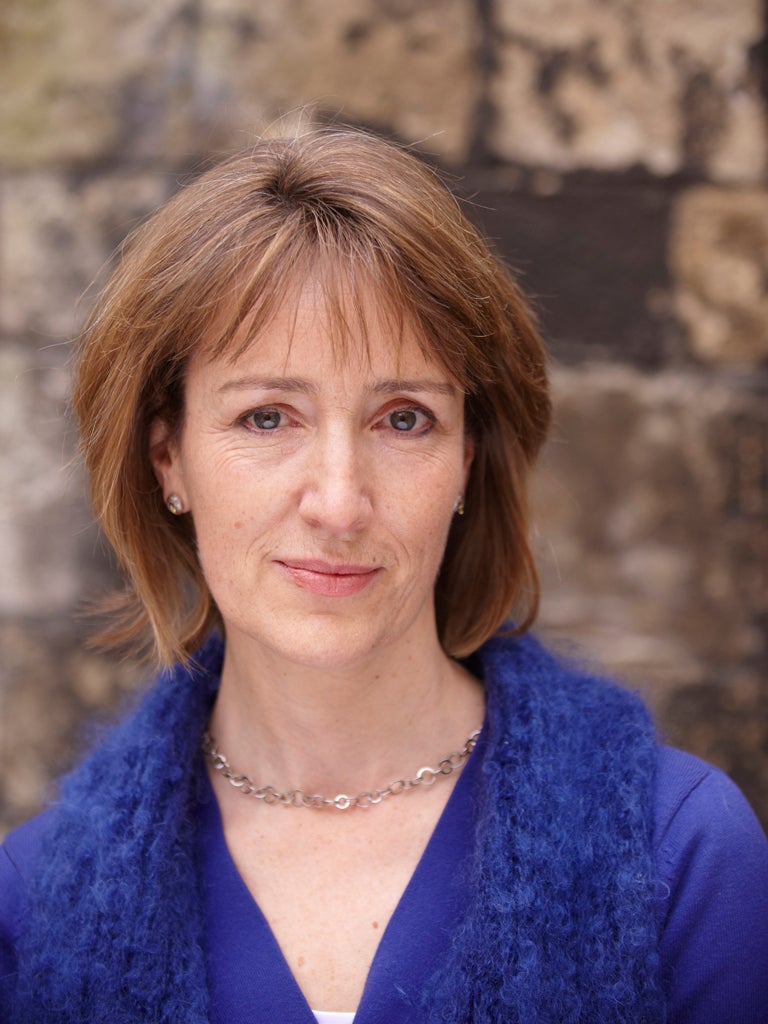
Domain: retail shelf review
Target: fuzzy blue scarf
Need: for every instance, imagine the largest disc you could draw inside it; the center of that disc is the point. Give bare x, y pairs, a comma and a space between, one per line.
561, 928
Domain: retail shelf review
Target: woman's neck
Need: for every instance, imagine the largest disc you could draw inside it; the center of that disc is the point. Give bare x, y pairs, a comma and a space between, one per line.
346, 729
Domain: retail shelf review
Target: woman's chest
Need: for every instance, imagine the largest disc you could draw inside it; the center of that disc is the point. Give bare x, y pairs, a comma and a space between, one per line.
360, 926
328, 891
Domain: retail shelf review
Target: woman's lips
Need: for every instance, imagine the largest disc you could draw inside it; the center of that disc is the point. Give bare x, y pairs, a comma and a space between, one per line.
328, 579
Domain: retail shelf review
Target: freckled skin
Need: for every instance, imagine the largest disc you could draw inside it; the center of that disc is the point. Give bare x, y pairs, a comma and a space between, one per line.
292, 453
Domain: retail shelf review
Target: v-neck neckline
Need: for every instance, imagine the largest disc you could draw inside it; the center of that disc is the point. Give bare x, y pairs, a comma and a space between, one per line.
249, 978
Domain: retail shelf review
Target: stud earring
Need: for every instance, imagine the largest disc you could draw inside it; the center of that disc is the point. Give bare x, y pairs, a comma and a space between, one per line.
458, 508
174, 504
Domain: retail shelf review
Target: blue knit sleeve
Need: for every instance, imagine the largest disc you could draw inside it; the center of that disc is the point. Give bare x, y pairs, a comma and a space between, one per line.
712, 859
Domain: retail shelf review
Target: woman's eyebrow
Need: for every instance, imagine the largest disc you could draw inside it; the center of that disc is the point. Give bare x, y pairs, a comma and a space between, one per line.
269, 384
438, 387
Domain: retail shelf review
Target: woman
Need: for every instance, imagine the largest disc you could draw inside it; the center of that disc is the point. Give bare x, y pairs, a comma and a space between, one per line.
309, 399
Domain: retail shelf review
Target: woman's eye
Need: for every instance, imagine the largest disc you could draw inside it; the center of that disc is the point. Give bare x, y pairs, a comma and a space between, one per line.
409, 420
264, 419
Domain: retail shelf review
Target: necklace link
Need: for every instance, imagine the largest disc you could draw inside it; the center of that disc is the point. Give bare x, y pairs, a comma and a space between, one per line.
342, 802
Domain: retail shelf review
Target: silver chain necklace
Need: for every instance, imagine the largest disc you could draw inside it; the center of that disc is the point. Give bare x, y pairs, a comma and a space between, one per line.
342, 802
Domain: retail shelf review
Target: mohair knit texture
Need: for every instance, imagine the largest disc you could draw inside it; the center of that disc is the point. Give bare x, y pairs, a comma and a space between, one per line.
560, 928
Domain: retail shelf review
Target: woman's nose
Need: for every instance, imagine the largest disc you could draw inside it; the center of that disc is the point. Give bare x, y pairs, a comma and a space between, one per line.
336, 495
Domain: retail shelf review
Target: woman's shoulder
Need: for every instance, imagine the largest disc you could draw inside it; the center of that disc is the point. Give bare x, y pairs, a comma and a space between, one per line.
706, 833
697, 801
701, 816
711, 857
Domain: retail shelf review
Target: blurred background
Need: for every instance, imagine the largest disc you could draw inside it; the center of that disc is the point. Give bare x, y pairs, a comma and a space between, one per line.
615, 151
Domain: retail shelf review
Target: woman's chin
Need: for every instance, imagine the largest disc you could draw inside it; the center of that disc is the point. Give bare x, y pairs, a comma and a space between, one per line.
324, 643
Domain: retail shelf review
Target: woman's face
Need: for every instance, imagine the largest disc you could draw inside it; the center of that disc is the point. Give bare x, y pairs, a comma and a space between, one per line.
321, 487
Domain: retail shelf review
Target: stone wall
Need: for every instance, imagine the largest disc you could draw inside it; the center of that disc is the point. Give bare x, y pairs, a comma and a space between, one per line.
615, 151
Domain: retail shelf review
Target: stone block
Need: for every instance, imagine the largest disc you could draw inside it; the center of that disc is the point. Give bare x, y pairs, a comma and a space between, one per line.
168, 81
652, 525
83, 82
591, 250
49, 552
407, 68
58, 231
667, 84
719, 260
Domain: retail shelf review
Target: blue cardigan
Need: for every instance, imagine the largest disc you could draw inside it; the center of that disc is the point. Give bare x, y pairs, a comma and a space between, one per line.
561, 925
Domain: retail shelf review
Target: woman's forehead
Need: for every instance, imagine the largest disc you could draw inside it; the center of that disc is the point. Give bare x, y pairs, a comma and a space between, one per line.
337, 324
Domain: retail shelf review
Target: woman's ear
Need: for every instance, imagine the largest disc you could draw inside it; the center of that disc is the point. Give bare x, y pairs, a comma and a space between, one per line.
165, 459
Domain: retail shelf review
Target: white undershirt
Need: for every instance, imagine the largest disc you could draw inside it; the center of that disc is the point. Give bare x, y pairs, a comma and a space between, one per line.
332, 1017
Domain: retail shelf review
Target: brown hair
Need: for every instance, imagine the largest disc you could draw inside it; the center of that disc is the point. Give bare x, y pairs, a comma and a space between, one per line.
230, 245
